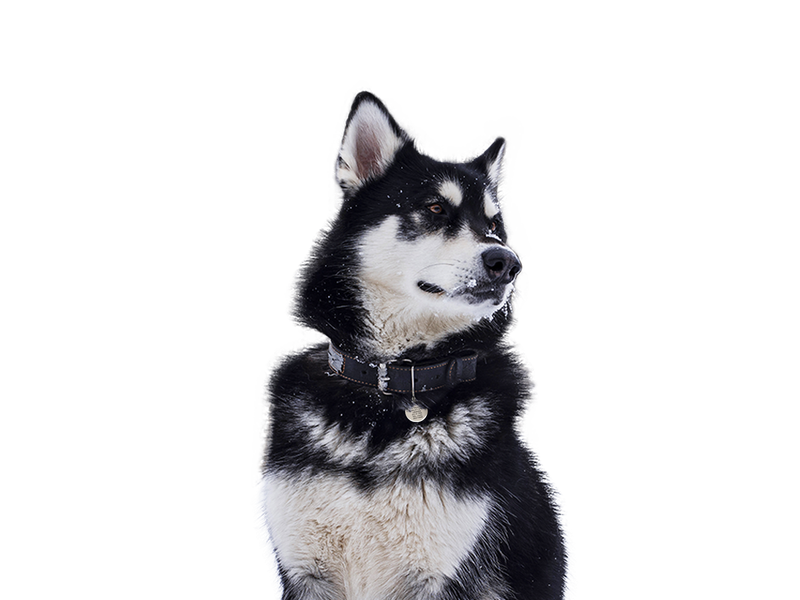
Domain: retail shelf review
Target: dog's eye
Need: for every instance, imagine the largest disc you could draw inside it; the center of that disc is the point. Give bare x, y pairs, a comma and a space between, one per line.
436, 209
493, 226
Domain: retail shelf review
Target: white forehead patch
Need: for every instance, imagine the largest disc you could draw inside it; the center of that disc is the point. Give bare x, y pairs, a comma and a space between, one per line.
450, 190
490, 207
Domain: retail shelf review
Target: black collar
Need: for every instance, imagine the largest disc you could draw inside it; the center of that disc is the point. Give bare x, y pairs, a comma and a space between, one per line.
405, 377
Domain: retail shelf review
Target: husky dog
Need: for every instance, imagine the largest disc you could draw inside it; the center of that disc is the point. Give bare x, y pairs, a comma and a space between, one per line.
393, 470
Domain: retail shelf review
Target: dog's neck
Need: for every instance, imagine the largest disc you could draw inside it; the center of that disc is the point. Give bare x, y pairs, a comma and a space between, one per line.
394, 327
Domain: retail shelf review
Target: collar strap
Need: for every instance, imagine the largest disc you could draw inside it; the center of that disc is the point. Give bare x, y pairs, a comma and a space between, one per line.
405, 377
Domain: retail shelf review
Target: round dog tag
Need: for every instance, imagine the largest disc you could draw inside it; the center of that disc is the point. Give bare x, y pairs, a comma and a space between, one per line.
416, 413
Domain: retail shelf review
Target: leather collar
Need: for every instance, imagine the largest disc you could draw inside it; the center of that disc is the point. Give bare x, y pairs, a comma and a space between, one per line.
405, 377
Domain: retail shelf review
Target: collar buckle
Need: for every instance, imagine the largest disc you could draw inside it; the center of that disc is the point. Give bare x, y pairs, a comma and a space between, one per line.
383, 379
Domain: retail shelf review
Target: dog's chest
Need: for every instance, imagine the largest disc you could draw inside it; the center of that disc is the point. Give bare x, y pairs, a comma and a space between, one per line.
372, 544
407, 533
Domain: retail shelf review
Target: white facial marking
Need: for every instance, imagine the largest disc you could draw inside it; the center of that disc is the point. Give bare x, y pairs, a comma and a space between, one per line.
490, 207
402, 315
451, 191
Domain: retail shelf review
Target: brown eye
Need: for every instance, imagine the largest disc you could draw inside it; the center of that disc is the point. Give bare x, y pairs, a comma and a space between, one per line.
436, 209
493, 226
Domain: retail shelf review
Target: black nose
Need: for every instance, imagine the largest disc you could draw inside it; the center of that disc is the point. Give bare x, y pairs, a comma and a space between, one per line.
501, 264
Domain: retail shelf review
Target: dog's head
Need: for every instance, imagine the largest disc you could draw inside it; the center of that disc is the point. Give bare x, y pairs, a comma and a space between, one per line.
418, 252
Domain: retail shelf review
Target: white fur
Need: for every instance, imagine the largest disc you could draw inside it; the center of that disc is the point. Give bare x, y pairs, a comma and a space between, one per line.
431, 443
452, 192
439, 440
370, 545
340, 447
368, 147
406, 538
490, 206
401, 314
495, 167
493, 236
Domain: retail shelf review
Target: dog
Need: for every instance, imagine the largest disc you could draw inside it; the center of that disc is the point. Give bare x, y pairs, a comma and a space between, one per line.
392, 469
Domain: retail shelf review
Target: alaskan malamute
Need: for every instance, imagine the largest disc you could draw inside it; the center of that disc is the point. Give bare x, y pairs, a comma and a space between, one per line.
393, 470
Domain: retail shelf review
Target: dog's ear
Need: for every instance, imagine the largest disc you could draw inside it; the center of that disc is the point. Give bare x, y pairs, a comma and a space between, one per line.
371, 140
491, 162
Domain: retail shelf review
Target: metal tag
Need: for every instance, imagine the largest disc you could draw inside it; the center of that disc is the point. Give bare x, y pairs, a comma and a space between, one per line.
416, 413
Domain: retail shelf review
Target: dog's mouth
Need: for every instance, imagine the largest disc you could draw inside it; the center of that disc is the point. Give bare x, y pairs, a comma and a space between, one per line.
472, 293
431, 288
494, 294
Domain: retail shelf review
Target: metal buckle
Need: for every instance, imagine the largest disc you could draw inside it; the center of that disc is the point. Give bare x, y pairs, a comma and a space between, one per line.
383, 379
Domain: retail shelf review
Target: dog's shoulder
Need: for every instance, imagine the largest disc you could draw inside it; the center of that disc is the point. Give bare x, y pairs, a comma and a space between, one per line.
298, 372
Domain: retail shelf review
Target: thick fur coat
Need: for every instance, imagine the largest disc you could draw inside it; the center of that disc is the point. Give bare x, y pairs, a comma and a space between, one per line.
361, 502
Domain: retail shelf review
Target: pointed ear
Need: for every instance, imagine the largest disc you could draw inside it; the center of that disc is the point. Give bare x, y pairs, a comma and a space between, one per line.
491, 161
371, 140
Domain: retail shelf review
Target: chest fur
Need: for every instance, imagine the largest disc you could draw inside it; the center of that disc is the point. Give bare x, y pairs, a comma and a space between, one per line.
409, 533
372, 544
